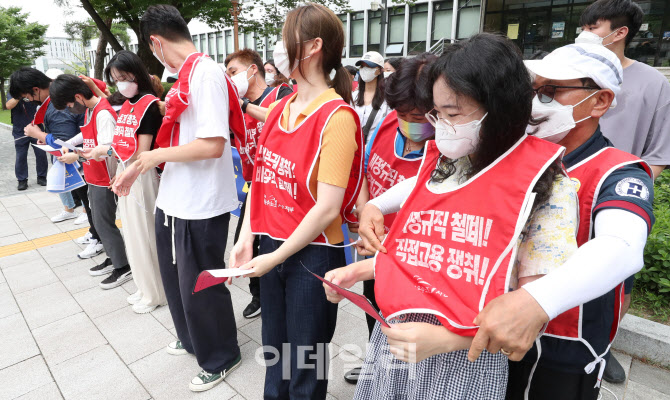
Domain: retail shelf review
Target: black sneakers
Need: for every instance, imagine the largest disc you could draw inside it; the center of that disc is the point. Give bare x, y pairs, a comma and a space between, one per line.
103, 268
23, 185
614, 372
117, 278
42, 180
253, 309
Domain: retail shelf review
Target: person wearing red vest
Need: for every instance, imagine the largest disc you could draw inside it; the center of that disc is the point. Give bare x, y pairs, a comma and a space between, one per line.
245, 68
394, 150
486, 196
307, 176
575, 86
196, 194
136, 128
71, 92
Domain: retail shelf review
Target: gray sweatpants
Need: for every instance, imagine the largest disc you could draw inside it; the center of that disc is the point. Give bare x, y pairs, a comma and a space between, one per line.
103, 208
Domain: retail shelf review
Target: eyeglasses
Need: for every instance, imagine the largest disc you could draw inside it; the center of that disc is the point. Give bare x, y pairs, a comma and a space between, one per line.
546, 93
433, 116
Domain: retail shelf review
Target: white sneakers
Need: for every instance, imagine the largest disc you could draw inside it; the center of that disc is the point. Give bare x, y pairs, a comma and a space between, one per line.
81, 219
64, 216
93, 249
140, 308
134, 298
86, 239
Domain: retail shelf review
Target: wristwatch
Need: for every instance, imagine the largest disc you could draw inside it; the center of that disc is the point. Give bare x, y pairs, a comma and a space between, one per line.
110, 151
245, 103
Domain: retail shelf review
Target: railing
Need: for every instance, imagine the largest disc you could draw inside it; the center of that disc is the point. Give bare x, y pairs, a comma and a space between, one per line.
438, 47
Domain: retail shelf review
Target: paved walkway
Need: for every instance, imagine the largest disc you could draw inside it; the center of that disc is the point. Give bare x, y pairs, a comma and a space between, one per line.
64, 337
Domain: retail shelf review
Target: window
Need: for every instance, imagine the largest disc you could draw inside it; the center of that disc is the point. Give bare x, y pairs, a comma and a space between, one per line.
203, 43
396, 28
219, 47
212, 45
468, 18
442, 18
418, 29
249, 41
374, 30
196, 42
229, 42
356, 34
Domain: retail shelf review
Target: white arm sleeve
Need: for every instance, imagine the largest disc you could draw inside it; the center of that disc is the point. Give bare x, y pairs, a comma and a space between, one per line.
392, 199
597, 267
76, 140
105, 124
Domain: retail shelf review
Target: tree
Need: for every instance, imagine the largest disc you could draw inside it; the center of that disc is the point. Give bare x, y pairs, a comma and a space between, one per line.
20, 43
87, 30
216, 13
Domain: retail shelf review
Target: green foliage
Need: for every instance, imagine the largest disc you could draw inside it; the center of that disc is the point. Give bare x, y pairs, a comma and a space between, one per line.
20, 41
166, 88
655, 276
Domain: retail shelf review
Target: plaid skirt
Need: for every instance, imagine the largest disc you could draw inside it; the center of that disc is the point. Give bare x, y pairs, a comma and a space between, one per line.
447, 376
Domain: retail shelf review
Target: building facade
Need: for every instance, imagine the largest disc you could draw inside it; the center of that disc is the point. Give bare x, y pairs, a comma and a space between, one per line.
413, 29
63, 54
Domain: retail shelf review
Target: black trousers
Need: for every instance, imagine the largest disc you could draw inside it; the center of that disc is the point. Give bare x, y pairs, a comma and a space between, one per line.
21, 164
204, 321
369, 292
254, 283
550, 384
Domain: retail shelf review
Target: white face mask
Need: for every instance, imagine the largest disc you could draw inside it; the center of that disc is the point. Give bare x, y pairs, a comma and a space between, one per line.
588, 37
241, 82
387, 73
280, 56
368, 74
560, 120
170, 69
127, 89
456, 141
269, 78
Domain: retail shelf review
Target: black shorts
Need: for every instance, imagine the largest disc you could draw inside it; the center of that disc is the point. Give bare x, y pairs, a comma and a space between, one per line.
628, 284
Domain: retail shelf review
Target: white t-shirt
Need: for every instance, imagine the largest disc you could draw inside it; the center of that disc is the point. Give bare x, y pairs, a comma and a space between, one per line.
365, 111
201, 189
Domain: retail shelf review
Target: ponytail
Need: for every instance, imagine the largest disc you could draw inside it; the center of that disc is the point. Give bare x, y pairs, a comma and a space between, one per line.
342, 83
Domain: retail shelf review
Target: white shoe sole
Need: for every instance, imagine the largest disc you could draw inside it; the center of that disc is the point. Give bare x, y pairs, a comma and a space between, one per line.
118, 282
132, 300
254, 315
143, 309
101, 272
55, 221
175, 352
205, 387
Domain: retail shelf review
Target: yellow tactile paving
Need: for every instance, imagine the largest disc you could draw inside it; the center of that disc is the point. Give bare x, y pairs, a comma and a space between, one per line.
44, 241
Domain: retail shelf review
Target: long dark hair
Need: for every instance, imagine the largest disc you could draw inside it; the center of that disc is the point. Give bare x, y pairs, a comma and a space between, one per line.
378, 99
129, 62
313, 21
489, 69
405, 90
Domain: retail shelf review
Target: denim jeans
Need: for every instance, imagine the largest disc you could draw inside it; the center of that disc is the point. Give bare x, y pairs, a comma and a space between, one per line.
298, 322
66, 197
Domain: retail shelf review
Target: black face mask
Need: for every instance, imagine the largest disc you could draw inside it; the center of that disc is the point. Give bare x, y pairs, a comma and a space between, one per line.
77, 108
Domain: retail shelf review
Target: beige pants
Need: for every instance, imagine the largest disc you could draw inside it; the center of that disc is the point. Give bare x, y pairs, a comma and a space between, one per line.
137, 216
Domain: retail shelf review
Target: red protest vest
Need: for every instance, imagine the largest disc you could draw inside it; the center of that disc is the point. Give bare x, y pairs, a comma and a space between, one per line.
247, 146
570, 325
177, 100
41, 112
96, 172
280, 197
385, 168
130, 117
452, 253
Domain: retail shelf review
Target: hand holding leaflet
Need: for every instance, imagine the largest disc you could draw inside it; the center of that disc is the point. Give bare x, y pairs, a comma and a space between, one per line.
358, 299
213, 277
